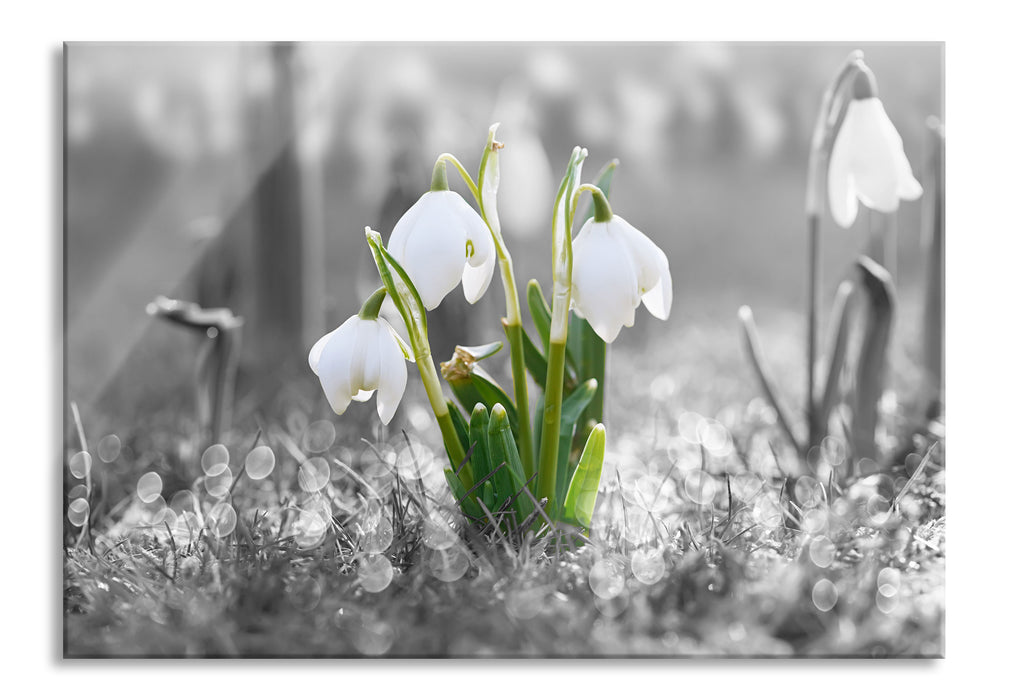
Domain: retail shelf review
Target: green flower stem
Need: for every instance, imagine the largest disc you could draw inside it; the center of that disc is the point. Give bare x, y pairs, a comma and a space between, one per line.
513, 312
432, 385
550, 436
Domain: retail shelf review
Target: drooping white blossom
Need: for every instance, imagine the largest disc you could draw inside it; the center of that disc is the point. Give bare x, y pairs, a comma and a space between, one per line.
868, 164
614, 268
359, 358
441, 241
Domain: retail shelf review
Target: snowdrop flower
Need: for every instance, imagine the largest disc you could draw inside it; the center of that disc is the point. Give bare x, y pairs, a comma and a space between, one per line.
441, 240
867, 162
362, 356
614, 268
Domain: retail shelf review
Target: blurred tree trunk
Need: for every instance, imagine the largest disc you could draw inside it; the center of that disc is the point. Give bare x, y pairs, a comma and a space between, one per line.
277, 315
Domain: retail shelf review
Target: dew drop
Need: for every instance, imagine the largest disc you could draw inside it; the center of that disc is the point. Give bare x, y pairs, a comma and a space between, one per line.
149, 487
222, 519
525, 602
313, 475
374, 572
824, 595
212, 456
448, 564
309, 529
373, 638
153, 512
807, 491
375, 529
606, 579
888, 582
438, 533
886, 604
648, 565
219, 483
109, 448
700, 487
319, 436
260, 462
78, 511
80, 465
822, 551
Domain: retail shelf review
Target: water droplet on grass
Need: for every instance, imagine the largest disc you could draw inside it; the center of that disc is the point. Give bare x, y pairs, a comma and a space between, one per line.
319, 436
824, 595
373, 638
689, 425
304, 592
438, 532
606, 579
448, 564
888, 582
109, 448
700, 487
149, 487
648, 565
767, 511
807, 491
313, 475
309, 529
260, 462
219, 482
213, 456
746, 486
877, 508
375, 528
222, 519
78, 511
886, 604
153, 512
822, 551
80, 465
525, 602
374, 572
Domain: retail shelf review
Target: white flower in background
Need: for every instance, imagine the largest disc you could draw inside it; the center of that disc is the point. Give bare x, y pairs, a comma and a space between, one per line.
614, 268
361, 357
441, 240
867, 162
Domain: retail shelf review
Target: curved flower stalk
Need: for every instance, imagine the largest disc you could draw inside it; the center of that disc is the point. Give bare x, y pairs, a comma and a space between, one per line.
615, 268
364, 355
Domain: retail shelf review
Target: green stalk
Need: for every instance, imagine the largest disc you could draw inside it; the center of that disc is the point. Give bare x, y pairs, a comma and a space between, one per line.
550, 437
407, 300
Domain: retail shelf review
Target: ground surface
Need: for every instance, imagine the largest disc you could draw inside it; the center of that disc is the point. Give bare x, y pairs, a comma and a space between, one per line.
692, 551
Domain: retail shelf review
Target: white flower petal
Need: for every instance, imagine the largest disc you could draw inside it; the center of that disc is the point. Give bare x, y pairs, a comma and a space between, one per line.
476, 279
840, 185
603, 279
475, 228
316, 351
392, 379
655, 283
434, 258
334, 365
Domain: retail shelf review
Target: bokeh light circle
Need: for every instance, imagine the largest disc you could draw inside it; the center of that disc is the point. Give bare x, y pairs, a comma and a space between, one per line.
259, 463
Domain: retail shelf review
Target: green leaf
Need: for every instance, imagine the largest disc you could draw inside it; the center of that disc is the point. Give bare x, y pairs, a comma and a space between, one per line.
458, 422
491, 393
481, 450
482, 352
539, 309
536, 364
399, 287
571, 409
580, 501
504, 451
459, 491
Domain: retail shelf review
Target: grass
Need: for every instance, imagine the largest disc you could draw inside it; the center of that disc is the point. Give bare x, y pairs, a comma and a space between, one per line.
691, 551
